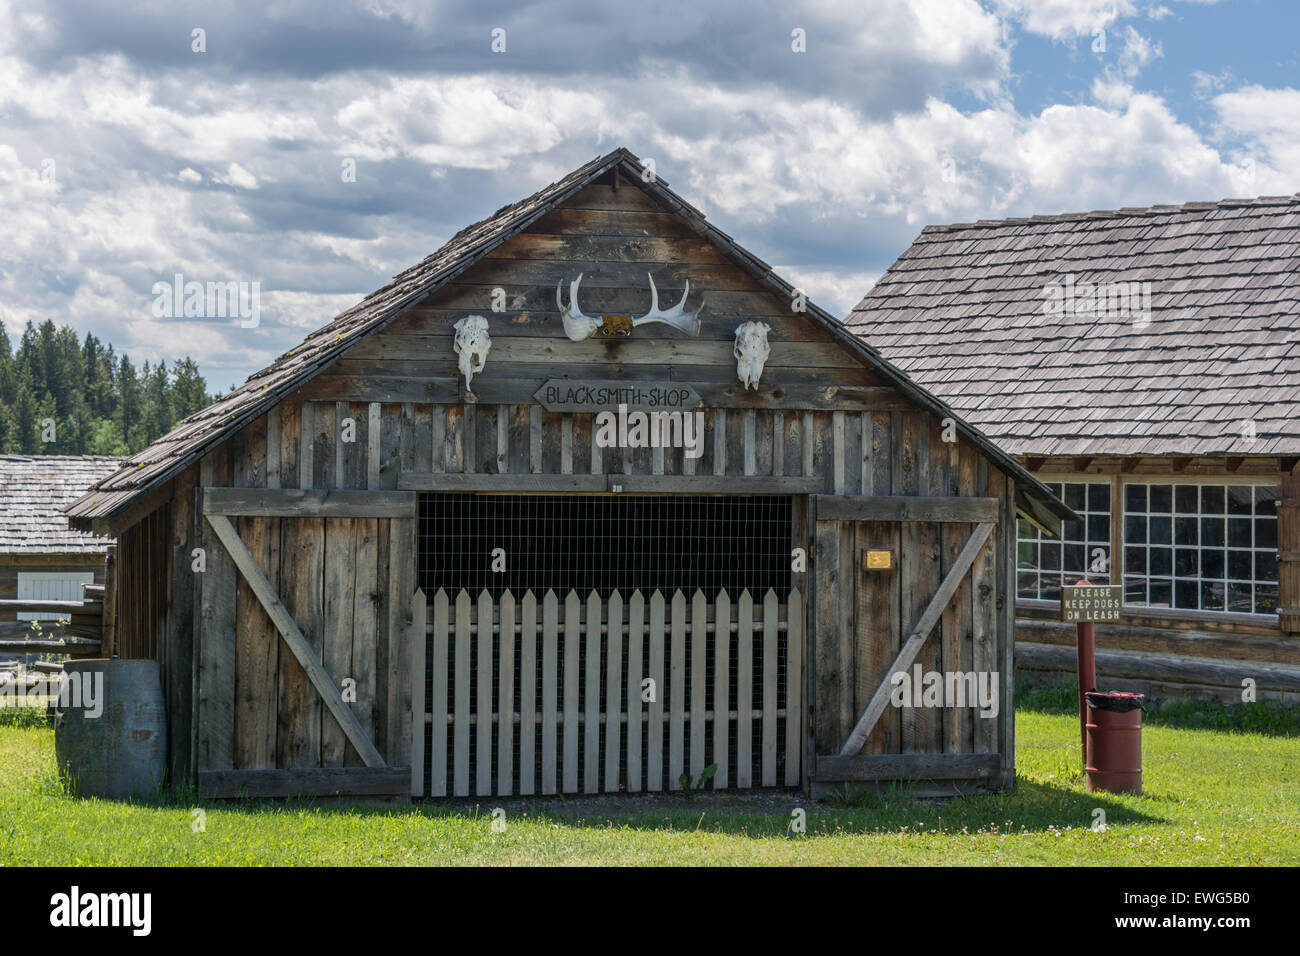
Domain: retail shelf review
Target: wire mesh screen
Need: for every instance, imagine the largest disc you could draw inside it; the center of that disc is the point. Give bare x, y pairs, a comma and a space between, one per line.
602, 543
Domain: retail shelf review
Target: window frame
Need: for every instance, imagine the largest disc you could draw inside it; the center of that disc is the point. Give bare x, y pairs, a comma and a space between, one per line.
1199, 481
1119, 482
1071, 479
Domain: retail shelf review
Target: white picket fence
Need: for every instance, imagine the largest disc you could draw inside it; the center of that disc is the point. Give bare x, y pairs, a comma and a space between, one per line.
610, 695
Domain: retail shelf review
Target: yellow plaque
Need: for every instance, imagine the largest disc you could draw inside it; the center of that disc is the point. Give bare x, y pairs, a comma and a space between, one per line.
616, 324
877, 560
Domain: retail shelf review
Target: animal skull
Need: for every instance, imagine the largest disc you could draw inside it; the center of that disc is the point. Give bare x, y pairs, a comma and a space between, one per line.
751, 352
472, 345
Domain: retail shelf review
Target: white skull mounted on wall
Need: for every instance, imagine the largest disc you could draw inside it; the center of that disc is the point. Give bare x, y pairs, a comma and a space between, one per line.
751, 351
472, 345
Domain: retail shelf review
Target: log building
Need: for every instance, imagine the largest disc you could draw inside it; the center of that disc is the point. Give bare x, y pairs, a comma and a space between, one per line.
1145, 364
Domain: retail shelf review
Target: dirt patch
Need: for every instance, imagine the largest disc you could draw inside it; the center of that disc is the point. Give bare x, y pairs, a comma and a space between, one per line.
625, 804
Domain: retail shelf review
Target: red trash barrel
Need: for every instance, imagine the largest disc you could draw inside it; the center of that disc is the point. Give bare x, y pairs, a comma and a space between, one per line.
1114, 741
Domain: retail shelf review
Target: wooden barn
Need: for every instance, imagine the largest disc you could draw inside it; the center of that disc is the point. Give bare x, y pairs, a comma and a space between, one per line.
1145, 364
456, 543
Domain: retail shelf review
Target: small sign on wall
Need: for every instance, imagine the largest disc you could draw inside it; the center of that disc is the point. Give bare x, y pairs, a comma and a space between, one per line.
877, 560
1094, 602
592, 395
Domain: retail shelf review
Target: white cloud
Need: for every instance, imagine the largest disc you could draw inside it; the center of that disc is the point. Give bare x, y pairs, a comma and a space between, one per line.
1066, 19
1267, 123
836, 291
238, 177
1205, 85
1137, 53
480, 122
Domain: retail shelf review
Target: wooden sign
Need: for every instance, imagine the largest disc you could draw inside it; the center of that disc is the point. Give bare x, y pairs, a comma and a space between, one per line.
593, 395
877, 560
1096, 602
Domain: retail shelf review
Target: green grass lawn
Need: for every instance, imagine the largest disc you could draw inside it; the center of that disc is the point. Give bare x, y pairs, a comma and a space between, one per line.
1212, 796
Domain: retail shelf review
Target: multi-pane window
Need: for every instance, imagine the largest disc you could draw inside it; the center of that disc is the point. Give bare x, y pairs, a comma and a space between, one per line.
1201, 547
1044, 563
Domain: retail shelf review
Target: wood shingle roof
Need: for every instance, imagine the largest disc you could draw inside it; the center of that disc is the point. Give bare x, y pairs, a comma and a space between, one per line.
964, 311
34, 490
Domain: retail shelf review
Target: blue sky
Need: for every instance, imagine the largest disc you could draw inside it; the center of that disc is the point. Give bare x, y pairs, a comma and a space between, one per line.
126, 156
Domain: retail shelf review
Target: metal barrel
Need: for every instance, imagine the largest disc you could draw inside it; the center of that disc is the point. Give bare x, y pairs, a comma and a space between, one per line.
110, 736
1114, 743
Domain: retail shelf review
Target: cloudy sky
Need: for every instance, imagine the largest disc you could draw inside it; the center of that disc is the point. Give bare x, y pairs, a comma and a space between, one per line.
127, 155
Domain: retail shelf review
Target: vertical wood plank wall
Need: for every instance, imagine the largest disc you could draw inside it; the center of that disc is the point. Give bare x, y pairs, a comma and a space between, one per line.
255, 705
143, 572
272, 720
862, 615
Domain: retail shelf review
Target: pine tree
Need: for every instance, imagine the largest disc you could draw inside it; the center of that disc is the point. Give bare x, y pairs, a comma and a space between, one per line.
129, 402
158, 416
8, 370
98, 402
26, 430
189, 390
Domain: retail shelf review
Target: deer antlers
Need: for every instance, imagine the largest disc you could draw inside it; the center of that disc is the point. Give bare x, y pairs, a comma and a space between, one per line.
578, 326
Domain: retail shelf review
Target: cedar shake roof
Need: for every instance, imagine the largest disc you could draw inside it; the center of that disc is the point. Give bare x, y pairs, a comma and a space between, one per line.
34, 490
199, 433
962, 311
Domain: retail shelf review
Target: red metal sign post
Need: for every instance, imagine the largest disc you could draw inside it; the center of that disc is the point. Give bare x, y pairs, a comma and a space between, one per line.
1085, 640
1084, 603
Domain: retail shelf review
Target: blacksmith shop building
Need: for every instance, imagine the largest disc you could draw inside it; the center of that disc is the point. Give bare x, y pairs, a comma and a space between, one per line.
424, 571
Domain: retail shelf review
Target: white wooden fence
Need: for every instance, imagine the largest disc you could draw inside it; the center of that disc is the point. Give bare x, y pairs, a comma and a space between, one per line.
611, 695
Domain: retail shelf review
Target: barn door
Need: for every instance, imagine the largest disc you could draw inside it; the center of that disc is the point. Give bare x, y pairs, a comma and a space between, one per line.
305, 647
904, 585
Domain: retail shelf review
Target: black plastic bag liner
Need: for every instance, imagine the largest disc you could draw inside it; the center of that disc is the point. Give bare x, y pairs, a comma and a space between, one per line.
1120, 701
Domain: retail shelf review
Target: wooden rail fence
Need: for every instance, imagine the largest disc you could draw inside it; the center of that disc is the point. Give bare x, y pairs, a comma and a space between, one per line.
78, 632
607, 694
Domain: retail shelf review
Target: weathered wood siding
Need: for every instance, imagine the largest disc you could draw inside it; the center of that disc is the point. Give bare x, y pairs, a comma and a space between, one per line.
143, 576
862, 616
614, 238
341, 581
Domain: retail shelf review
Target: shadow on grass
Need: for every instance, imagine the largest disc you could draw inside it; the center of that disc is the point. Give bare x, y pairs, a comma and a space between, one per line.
1033, 807
1266, 717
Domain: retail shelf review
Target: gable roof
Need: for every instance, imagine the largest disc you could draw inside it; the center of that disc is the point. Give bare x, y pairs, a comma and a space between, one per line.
199, 433
34, 490
962, 312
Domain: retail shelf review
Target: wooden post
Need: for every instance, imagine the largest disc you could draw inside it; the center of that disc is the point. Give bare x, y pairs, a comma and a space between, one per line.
108, 639
417, 636
1288, 552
